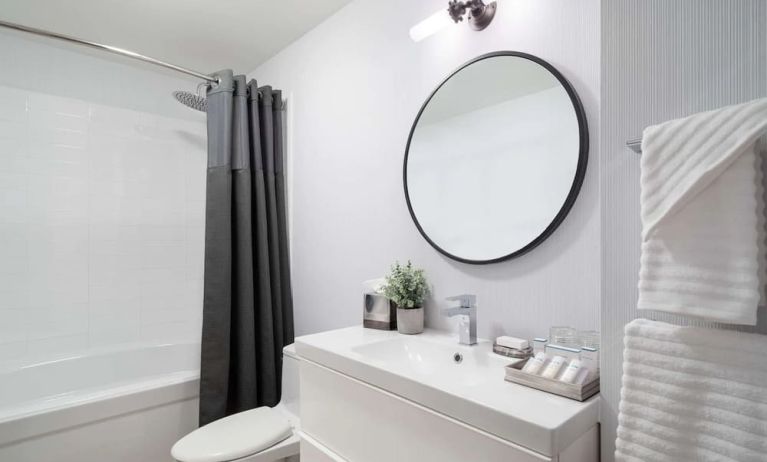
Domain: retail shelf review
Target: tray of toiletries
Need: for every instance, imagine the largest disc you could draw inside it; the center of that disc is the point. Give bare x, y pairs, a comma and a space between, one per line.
574, 391
569, 372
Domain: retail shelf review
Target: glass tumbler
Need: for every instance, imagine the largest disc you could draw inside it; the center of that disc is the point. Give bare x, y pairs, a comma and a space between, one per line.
564, 336
589, 338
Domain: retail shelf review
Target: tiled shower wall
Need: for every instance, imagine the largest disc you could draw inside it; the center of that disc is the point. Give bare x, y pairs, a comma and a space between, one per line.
101, 226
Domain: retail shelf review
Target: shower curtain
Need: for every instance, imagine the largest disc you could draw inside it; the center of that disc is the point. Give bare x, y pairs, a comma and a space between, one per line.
247, 307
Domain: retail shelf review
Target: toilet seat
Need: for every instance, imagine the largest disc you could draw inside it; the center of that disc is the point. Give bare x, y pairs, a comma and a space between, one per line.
234, 437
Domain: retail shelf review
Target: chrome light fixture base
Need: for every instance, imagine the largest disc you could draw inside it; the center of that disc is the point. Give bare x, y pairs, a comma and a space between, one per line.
480, 14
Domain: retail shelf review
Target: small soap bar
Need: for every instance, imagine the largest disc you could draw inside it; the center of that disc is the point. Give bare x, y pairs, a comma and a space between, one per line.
512, 342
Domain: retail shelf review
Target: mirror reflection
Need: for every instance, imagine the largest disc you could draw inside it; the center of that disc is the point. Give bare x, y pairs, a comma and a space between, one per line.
495, 158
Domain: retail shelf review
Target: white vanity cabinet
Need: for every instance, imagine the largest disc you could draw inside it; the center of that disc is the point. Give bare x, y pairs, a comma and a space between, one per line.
375, 404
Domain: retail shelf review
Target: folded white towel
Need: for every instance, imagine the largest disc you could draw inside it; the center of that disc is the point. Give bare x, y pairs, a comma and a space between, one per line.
702, 220
692, 394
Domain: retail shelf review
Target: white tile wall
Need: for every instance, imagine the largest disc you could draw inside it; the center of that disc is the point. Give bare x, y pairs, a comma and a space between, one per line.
101, 226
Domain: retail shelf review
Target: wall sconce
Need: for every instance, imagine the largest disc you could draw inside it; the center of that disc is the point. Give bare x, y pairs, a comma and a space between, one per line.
480, 16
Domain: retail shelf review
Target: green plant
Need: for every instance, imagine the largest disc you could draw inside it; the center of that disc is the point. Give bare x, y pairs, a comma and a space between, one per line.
406, 286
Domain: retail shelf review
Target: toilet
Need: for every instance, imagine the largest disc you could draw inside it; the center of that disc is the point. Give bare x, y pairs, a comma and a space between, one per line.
263, 434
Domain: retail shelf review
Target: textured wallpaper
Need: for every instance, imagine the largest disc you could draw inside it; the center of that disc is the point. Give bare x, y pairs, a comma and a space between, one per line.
660, 60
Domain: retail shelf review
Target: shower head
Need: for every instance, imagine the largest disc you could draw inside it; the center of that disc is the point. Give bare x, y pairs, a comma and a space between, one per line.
189, 99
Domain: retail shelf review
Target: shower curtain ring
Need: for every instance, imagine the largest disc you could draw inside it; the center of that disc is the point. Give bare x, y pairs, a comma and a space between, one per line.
207, 86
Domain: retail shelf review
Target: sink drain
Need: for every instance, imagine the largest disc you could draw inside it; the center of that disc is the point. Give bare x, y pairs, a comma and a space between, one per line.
457, 358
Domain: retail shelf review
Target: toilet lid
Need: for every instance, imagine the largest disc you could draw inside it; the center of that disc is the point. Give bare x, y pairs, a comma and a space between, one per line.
238, 435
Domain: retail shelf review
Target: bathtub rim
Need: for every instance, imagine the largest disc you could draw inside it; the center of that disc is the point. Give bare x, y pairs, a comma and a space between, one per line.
144, 395
12, 366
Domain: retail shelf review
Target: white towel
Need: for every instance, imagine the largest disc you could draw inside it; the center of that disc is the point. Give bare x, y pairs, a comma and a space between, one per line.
702, 216
692, 394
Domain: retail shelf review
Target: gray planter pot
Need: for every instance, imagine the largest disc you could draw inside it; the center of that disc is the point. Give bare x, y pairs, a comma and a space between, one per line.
410, 321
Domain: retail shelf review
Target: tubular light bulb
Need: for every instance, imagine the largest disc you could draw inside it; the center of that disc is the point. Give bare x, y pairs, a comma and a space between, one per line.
430, 25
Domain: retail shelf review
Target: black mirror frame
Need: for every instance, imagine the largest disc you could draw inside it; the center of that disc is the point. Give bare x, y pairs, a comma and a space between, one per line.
580, 172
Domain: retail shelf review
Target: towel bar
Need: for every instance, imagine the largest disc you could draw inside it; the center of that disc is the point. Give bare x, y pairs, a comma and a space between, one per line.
635, 145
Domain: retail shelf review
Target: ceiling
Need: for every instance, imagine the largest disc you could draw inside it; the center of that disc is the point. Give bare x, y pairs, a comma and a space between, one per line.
202, 35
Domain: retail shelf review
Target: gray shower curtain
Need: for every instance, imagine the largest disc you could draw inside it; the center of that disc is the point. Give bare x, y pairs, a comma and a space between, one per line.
247, 308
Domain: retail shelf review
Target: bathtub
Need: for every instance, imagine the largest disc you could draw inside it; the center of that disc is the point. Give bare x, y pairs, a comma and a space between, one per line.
127, 405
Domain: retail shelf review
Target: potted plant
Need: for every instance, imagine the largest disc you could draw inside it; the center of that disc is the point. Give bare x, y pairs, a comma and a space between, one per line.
406, 287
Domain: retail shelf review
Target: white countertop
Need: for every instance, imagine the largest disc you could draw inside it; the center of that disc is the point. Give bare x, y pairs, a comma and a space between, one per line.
421, 368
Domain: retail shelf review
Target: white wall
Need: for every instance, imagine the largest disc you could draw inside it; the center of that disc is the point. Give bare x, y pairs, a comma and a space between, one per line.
355, 84
660, 60
101, 204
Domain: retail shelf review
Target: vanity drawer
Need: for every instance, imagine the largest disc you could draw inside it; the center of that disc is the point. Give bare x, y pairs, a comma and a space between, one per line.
362, 423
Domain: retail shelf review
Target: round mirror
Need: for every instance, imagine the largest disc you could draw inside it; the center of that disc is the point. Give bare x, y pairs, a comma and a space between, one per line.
495, 158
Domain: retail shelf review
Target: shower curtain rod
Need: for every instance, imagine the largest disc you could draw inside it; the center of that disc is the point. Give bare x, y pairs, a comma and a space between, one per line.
108, 48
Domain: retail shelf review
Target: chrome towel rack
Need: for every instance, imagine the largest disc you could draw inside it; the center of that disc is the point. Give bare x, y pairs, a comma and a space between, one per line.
635, 145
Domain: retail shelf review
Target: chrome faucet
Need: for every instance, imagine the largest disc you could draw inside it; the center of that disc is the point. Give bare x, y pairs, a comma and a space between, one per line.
467, 323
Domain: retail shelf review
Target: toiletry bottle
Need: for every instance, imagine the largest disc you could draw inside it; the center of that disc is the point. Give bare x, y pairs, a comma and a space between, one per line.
535, 364
590, 361
582, 376
539, 344
571, 371
552, 369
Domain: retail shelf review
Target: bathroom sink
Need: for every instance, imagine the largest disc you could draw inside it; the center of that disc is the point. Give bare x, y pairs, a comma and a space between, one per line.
433, 358
465, 383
